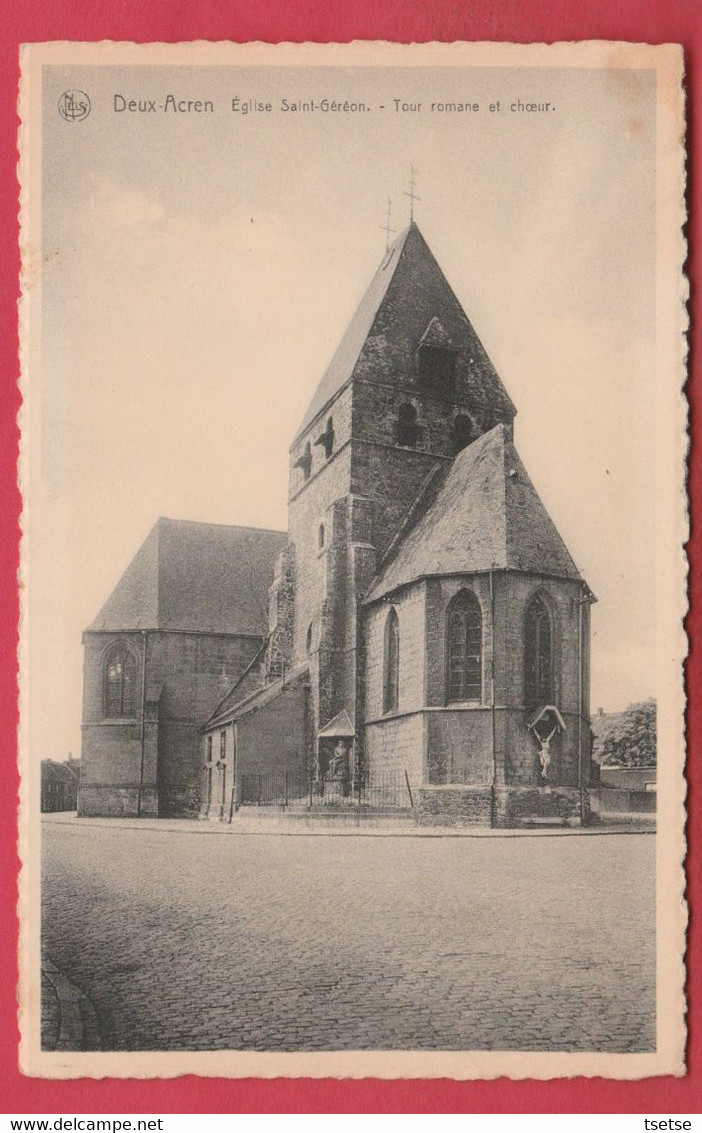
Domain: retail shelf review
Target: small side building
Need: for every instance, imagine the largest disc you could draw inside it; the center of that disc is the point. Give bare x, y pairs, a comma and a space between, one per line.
185, 622
59, 785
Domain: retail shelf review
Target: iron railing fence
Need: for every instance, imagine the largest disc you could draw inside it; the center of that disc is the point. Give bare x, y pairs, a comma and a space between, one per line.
274, 789
380, 789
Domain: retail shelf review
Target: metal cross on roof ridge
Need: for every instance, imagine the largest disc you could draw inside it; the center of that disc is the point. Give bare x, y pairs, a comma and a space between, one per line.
386, 227
411, 194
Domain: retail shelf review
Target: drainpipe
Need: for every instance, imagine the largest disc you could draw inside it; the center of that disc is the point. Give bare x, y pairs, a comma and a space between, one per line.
580, 707
236, 773
143, 720
492, 684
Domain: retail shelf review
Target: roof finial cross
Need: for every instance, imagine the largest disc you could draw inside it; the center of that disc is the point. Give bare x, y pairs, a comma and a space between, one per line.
411, 194
386, 227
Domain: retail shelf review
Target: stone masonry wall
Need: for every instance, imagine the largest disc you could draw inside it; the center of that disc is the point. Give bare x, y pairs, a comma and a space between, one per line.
395, 746
455, 806
517, 750
272, 742
311, 509
189, 674
409, 607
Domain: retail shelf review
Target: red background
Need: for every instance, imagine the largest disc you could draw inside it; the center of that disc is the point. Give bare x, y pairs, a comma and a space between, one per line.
652, 21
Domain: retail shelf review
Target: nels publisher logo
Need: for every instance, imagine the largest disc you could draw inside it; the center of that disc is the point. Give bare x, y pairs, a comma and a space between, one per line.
74, 105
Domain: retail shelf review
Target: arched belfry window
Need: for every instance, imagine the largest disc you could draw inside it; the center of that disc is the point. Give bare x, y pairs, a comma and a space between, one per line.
464, 648
391, 663
462, 432
436, 359
406, 427
538, 654
119, 685
326, 439
304, 462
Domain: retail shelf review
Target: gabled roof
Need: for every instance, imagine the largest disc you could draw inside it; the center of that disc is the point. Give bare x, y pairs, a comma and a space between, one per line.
236, 707
65, 772
204, 577
435, 335
486, 515
339, 728
407, 260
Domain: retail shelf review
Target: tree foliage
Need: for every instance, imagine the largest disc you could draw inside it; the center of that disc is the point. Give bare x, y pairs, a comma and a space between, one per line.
631, 741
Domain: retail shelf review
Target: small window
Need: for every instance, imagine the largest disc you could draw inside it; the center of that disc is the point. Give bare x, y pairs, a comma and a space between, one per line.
209, 749
391, 663
304, 462
320, 536
223, 745
406, 427
119, 689
464, 648
308, 641
462, 432
436, 366
276, 662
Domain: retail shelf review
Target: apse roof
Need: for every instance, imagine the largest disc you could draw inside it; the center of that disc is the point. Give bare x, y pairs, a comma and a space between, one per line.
485, 515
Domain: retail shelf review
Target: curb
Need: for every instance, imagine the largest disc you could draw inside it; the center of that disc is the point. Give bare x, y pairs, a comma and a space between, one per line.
192, 826
78, 1029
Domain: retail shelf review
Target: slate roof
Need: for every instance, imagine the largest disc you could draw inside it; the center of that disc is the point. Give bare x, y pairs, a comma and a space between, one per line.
341, 367
234, 707
485, 514
189, 576
408, 254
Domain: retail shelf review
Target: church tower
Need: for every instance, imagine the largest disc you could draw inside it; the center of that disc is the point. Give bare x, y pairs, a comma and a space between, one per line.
409, 386
427, 625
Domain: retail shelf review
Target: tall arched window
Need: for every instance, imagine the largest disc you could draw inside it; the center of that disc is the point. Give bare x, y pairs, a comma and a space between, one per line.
391, 663
119, 688
464, 648
538, 654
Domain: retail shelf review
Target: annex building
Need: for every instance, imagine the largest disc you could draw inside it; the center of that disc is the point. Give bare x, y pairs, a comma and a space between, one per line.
421, 625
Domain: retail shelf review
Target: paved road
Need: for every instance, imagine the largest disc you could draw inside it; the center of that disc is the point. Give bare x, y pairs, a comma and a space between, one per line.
189, 942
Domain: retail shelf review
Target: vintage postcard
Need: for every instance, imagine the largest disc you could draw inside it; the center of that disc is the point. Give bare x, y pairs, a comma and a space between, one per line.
353, 463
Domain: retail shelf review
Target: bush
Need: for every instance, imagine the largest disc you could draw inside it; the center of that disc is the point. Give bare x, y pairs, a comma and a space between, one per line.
631, 741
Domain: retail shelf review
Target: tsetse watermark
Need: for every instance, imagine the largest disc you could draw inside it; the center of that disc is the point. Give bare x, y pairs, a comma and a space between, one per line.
658, 1123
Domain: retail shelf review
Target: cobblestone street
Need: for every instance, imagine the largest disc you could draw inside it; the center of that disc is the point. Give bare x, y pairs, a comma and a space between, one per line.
193, 942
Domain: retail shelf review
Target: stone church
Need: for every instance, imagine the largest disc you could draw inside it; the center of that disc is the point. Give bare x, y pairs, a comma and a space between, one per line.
421, 624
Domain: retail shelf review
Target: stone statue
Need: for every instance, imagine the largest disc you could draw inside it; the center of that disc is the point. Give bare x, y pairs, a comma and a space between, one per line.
545, 750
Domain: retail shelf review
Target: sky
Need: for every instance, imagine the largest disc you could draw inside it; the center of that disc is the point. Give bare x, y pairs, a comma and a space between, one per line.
199, 270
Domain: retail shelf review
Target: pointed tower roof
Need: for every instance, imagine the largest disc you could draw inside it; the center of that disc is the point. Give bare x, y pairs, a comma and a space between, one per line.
486, 515
408, 257
204, 577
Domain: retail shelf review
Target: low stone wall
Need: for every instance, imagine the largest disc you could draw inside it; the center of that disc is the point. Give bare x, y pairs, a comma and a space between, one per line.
514, 804
616, 799
459, 805
452, 805
117, 802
